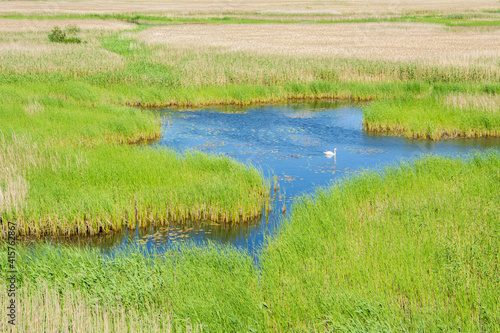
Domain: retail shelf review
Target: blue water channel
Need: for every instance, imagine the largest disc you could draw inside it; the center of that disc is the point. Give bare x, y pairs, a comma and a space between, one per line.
285, 141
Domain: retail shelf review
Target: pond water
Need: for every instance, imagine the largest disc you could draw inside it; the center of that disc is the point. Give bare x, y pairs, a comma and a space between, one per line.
283, 141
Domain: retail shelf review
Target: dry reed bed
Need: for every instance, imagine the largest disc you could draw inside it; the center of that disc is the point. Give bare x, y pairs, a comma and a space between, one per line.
473, 102
43, 309
17, 156
31, 58
30, 52
280, 6
141, 210
15, 25
409, 42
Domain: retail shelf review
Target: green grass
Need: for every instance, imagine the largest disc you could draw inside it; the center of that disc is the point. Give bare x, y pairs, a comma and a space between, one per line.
414, 248
484, 19
215, 286
131, 186
428, 118
74, 116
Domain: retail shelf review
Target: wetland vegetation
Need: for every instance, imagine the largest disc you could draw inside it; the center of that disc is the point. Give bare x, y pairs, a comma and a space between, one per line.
415, 248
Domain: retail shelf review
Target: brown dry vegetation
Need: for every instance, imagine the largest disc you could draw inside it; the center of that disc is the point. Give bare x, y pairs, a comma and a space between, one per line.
14, 25
31, 53
409, 42
46, 310
25, 48
15, 158
474, 102
365, 7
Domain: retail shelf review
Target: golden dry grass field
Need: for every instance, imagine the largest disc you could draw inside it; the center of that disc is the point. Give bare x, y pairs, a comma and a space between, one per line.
24, 47
14, 25
428, 43
263, 6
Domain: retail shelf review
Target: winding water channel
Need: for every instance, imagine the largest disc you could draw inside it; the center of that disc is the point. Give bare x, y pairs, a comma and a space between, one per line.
283, 141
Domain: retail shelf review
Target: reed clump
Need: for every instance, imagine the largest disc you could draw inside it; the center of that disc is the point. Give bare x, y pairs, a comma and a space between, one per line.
410, 249
473, 102
449, 116
166, 187
213, 288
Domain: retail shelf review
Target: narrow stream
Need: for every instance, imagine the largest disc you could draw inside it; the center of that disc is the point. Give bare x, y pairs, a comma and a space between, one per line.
283, 141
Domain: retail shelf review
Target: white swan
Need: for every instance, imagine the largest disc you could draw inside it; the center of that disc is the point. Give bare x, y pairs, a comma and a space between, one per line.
329, 154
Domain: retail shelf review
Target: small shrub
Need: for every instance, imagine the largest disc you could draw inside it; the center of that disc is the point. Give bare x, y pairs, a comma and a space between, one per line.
56, 35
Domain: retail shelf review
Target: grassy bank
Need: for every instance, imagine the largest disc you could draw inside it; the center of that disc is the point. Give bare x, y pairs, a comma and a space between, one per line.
450, 115
414, 248
65, 163
128, 187
209, 289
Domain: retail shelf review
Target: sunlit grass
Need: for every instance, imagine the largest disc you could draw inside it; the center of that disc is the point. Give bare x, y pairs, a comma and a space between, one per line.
214, 288
131, 187
432, 119
73, 116
413, 248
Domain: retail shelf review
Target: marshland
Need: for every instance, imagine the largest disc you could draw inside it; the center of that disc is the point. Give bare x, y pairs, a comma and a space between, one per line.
160, 118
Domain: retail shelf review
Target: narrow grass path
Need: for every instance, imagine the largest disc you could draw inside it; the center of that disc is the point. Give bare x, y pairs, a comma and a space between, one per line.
478, 19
